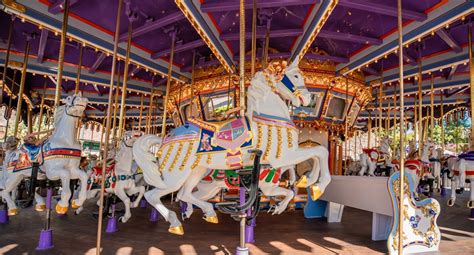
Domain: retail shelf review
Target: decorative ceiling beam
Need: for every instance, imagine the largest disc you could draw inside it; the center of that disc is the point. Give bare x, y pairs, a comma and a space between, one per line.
452, 71
180, 48
42, 45
449, 40
382, 9
449, 94
371, 71
261, 33
208, 32
224, 6
412, 32
349, 37
154, 25
316, 20
408, 58
59, 6
98, 61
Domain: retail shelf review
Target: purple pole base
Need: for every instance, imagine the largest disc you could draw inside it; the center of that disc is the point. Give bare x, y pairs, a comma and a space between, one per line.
472, 214
249, 233
242, 251
154, 214
45, 240
443, 192
3, 216
183, 207
143, 203
111, 225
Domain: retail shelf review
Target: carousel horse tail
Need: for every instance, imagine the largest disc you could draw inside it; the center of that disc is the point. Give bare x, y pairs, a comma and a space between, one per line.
147, 161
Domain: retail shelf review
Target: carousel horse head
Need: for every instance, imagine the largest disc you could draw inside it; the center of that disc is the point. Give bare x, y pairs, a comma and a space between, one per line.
385, 141
11, 143
292, 86
75, 105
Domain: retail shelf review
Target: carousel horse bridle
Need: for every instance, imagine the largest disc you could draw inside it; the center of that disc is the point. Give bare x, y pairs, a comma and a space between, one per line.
73, 105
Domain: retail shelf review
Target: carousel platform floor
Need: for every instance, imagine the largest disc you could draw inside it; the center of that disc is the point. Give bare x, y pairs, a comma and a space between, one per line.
289, 233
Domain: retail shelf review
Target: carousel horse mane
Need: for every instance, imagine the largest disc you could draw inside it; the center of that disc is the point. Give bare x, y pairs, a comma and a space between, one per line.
257, 91
58, 114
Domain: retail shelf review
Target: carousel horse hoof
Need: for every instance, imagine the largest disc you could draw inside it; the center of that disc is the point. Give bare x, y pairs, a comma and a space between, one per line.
178, 230
13, 212
74, 205
302, 182
470, 204
450, 202
316, 193
61, 210
40, 208
211, 219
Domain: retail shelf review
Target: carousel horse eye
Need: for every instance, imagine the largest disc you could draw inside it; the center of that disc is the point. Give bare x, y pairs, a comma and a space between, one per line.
296, 76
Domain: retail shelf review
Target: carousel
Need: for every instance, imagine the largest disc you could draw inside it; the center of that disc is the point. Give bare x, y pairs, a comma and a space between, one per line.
246, 127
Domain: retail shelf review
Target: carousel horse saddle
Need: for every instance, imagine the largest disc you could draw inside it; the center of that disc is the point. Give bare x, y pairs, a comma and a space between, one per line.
467, 156
32, 150
230, 135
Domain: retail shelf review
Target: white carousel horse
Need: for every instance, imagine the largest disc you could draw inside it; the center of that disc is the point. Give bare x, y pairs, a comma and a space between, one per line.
120, 178
188, 151
435, 162
419, 169
370, 158
10, 147
58, 157
463, 171
269, 184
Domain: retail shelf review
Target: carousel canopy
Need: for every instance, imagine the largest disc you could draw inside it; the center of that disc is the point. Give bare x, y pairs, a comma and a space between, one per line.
357, 37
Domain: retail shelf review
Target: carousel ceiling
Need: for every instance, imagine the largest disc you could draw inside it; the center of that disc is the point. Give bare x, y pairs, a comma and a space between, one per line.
355, 35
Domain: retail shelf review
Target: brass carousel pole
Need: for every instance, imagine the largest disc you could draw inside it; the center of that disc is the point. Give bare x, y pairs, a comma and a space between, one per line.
22, 88
42, 106
380, 120
9, 106
254, 38
7, 58
57, 95
442, 122
242, 62
432, 107
420, 108
79, 67
369, 129
125, 80
415, 119
107, 129
115, 104
402, 128
168, 84
471, 78
150, 109
191, 87
141, 113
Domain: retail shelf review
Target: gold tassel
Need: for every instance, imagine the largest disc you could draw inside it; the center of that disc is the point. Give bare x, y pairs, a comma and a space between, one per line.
269, 143
177, 155
289, 136
197, 161
167, 156
186, 157
279, 138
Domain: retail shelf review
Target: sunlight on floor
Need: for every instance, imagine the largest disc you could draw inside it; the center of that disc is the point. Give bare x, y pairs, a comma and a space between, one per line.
187, 249
8, 248
155, 251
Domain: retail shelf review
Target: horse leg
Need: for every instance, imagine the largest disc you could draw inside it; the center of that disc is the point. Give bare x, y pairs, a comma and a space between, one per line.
188, 196
205, 191
454, 186
55, 171
272, 189
10, 185
40, 204
470, 203
77, 173
363, 169
153, 197
120, 193
134, 190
